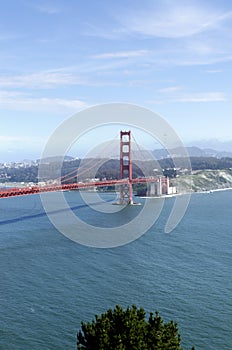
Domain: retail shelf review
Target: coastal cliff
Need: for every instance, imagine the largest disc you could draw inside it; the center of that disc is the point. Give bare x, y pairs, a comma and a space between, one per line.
205, 180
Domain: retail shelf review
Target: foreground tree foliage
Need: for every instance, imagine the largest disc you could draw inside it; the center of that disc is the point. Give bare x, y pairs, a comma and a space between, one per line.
128, 329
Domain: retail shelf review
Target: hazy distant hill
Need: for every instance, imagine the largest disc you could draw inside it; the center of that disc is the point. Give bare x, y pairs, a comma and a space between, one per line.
55, 159
213, 144
193, 151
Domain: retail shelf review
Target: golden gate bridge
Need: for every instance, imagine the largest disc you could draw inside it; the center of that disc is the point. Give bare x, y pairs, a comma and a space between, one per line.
125, 182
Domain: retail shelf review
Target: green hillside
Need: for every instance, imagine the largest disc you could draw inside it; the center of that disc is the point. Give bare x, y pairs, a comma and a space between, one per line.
205, 180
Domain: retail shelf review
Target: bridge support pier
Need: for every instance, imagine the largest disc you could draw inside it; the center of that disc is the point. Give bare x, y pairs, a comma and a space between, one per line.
126, 191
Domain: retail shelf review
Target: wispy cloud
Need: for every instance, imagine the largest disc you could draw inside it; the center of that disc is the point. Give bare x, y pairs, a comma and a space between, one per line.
45, 79
170, 89
122, 54
177, 94
202, 97
172, 19
188, 33
90, 73
102, 32
214, 71
22, 102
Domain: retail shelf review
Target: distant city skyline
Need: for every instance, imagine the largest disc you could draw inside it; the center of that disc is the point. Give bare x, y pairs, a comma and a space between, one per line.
58, 58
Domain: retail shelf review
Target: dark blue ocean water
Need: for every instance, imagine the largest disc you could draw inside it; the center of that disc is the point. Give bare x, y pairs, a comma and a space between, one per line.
48, 284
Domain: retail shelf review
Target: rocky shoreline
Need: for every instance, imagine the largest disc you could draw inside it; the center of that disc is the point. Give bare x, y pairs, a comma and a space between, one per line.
204, 180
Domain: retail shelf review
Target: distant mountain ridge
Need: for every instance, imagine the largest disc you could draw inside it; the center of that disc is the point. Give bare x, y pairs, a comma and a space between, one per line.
193, 151
158, 154
212, 144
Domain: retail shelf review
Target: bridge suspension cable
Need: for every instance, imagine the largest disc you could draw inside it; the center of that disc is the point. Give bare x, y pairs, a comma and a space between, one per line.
77, 173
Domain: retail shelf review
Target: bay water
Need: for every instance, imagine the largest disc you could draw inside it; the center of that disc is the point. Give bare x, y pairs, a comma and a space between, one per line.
49, 284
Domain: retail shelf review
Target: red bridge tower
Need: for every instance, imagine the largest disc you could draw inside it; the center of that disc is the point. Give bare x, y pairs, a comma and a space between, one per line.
126, 191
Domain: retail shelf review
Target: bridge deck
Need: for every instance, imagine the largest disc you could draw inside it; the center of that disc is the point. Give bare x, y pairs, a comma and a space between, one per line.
12, 192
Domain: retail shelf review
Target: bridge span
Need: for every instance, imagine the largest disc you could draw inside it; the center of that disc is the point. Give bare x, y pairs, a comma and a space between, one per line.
125, 182
13, 192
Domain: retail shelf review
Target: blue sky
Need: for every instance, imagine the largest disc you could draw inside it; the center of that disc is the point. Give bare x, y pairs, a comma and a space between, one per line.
59, 57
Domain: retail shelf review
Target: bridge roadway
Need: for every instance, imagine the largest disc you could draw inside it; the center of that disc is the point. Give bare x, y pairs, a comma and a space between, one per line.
12, 192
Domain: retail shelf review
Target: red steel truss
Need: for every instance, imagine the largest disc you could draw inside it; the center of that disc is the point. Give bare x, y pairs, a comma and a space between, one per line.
12, 192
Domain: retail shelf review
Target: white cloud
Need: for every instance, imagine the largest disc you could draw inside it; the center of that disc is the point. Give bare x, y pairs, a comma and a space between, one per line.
170, 89
45, 79
122, 54
21, 102
202, 97
176, 94
194, 33
172, 20
87, 74
214, 71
